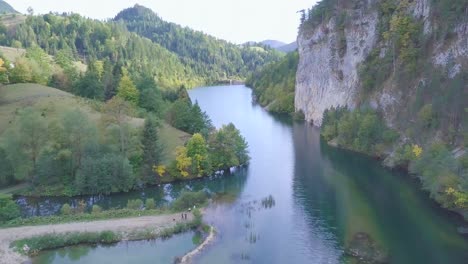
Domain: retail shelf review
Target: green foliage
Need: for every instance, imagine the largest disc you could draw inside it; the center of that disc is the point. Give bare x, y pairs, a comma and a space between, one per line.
360, 130
81, 217
425, 115
7, 173
89, 40
442, 176
8, 208
152, 150
189, 117
210, 58
104, 174
227, 148
274, 84
136, 204
197, 151
23, 142
66, 209
96, 209
89, 86
187, 200
150, 204
127, 89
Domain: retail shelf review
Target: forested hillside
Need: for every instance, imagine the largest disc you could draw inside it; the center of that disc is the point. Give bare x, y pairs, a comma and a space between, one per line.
88, 40
210, 58
119, 117
274, 84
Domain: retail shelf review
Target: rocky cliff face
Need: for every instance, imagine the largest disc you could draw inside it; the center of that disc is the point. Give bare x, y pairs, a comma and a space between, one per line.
326, 78
330, 56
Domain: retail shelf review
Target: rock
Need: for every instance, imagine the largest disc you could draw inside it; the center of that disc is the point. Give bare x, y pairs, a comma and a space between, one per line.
363, 248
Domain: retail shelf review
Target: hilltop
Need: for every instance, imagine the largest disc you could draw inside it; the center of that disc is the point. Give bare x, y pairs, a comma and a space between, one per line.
6, 8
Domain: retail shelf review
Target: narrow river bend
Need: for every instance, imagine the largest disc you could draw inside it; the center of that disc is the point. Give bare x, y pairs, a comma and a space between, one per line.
300, 201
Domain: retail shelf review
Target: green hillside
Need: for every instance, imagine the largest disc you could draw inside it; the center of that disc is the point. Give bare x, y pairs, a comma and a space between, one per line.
274, 84
211, 58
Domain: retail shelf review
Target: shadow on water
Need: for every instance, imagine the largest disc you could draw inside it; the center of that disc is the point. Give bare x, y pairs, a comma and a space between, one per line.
228, 185
354, 197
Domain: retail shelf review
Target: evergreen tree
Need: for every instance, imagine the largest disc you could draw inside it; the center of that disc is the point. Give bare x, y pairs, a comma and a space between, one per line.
152, 151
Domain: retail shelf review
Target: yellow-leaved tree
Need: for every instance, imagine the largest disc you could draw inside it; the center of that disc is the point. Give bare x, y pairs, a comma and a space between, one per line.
127, 89
183, 161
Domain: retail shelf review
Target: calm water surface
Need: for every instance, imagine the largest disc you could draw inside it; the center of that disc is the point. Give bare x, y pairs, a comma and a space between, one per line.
322, 202
142, 252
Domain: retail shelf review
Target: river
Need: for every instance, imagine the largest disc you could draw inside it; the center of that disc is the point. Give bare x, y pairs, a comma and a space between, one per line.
301, 201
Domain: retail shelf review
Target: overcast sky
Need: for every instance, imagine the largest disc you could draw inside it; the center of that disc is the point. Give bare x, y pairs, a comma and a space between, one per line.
235, 20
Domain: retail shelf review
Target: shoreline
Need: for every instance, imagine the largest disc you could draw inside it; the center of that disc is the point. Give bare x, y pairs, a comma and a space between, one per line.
381, 159
125, 226
187, 258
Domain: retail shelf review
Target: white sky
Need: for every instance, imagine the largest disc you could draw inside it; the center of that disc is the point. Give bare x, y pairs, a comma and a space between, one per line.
237, 21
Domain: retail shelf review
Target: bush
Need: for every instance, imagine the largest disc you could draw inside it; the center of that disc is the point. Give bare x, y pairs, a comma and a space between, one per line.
66, 209
8, 208
135, 204
96, 209
150, 204
189, 199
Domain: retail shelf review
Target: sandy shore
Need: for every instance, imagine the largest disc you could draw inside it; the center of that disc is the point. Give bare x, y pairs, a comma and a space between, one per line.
8, 235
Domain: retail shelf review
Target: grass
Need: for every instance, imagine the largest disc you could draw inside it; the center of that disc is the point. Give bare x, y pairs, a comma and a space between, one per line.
54, 102
172, 138
14, 189
12, 20
11, 54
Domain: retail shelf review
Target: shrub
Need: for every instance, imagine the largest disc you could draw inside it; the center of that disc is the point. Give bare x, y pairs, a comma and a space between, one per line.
150, 204
134, 204
189, 199
8, 208
96, 209
66, 209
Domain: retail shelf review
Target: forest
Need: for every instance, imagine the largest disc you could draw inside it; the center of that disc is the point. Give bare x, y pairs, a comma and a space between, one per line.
212, 59
274, 84
122, 92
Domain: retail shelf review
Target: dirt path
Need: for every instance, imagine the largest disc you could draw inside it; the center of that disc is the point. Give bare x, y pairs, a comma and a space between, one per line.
8, 235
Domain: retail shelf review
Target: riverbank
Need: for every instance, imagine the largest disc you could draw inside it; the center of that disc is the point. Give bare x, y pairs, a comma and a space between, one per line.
126, 228
387, 162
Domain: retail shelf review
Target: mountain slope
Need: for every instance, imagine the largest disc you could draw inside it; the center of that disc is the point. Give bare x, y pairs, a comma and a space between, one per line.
6, 8
211, 58
288, 47
275, 44
88, 40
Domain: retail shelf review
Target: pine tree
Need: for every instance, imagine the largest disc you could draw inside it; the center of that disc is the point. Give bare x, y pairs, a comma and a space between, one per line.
151, 150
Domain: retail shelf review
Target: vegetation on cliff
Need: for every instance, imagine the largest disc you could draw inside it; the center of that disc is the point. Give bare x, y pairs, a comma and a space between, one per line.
274, 84
210, 58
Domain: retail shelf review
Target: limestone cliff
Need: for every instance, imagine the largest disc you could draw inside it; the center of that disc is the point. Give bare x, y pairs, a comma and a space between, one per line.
333, 49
